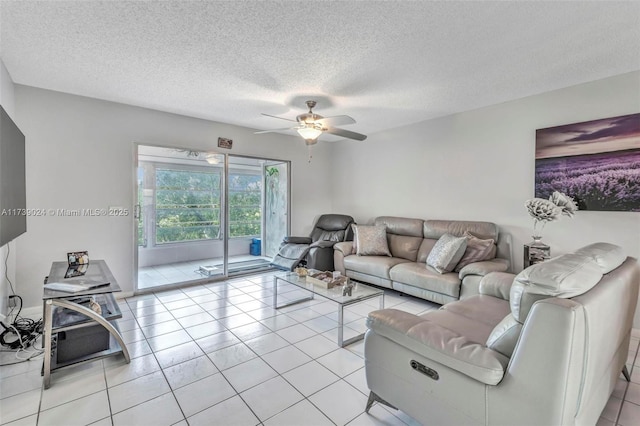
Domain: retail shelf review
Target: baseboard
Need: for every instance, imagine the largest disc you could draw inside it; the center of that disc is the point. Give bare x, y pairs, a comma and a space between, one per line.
123, 294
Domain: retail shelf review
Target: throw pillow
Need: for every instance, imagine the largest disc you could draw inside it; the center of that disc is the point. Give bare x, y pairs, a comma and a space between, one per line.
446, 253
477, 250
371, 240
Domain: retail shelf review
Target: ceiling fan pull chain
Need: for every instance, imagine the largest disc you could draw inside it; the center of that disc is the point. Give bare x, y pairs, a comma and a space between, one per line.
310, 156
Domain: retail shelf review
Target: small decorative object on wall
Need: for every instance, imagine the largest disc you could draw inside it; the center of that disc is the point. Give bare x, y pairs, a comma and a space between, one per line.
595, 162
543, 211
225, 143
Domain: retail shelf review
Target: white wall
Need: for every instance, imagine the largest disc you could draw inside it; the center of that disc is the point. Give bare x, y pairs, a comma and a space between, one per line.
479, 165
7, 100
80, 155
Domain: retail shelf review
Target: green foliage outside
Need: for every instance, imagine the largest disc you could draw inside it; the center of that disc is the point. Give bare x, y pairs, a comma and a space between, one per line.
188, 206
245, 212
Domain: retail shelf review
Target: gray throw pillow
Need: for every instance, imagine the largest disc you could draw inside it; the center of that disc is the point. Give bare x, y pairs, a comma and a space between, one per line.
477, 250
446, 253
371, 240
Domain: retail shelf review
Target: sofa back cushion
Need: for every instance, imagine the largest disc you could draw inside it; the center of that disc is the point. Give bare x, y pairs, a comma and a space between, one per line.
607, 256
331, 227
564, 276
404, 235
435, 229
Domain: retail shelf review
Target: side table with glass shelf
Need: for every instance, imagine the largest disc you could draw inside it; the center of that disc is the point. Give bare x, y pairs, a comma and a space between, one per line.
74, 333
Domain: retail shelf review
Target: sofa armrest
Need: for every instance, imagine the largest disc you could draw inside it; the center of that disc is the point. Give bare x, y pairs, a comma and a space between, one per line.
497, 284
439, 344
485, 267
297, 240
322, 244
344, 247
340, 251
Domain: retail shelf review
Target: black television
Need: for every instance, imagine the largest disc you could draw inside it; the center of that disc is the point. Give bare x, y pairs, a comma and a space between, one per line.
13, 197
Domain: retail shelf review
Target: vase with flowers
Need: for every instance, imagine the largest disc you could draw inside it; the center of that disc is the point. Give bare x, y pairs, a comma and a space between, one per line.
543, 211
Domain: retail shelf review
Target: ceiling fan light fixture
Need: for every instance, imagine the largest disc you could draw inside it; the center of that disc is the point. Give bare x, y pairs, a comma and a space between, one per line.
309, 133
310, 142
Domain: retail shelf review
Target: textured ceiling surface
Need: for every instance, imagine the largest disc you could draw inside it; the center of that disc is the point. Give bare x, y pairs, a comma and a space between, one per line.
386, 64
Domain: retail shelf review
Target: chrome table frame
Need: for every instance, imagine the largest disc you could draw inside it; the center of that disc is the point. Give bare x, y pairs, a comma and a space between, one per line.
310, 288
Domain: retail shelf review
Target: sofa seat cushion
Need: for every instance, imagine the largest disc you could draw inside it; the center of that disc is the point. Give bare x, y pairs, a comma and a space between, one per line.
434, 336
378, 266
423, 276
481, 308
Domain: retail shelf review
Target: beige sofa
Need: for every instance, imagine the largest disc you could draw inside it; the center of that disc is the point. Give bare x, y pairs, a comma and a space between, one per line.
410, 241
545, 348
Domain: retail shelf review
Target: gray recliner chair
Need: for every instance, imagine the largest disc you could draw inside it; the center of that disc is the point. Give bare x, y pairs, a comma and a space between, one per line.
316, 250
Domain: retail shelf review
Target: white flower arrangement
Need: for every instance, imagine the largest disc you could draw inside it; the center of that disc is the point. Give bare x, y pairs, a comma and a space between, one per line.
543, 211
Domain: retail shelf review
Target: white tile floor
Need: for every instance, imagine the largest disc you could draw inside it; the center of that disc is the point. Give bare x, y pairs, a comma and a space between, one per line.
218, 354
178, 272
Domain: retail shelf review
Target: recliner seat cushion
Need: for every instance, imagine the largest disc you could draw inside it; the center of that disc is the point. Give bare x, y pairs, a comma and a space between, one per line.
422, 276
378, 266
480, 308
473, 318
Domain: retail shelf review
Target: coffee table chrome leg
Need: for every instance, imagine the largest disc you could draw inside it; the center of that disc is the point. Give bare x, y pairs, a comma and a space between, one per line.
275, 296
382, 301
340, 325
275, 292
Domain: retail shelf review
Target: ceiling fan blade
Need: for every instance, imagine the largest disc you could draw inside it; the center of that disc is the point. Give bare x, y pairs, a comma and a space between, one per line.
346, 133
281, 118
336, 120
273, 130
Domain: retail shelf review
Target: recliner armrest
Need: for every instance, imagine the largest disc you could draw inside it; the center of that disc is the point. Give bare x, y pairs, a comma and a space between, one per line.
485, 267
497, 284
322, 244
439, 344
345, 247
297, 240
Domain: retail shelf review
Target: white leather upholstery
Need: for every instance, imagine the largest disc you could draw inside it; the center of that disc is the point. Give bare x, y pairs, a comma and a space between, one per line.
410, 242
535, 359
607, 256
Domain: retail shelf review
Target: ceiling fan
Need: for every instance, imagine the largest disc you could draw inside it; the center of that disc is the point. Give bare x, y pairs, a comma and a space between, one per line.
311, 125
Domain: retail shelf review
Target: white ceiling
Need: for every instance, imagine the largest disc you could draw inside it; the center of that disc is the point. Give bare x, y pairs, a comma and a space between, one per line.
386, 64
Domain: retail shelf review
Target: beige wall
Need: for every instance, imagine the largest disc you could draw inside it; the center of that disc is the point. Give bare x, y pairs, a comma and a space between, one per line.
80, 155
479, 165
475, 165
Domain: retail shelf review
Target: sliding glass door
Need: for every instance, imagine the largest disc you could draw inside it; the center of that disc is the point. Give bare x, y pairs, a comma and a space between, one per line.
201, 216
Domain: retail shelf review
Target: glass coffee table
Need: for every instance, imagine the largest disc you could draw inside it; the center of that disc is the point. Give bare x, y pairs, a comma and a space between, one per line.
360, 293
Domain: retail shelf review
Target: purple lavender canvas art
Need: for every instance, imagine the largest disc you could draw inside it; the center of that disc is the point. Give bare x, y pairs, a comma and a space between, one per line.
595, 162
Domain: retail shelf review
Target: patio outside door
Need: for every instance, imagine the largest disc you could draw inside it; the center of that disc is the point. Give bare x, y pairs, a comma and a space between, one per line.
201, 216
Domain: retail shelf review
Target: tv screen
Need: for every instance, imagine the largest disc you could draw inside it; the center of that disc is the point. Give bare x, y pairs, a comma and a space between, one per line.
13, 199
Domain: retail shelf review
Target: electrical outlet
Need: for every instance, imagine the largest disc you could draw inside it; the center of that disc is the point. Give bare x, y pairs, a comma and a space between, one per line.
12, 302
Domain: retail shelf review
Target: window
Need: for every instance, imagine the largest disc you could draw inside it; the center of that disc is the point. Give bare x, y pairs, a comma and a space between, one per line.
245, 205
187, 205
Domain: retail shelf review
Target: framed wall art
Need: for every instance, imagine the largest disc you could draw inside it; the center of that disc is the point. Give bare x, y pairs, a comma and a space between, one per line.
596, 162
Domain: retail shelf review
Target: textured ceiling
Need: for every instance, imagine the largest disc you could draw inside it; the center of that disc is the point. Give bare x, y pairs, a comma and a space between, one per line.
386, 64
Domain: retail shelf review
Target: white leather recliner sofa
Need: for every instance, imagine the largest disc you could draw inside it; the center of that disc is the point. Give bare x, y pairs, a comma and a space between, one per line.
545, 347
410, 242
